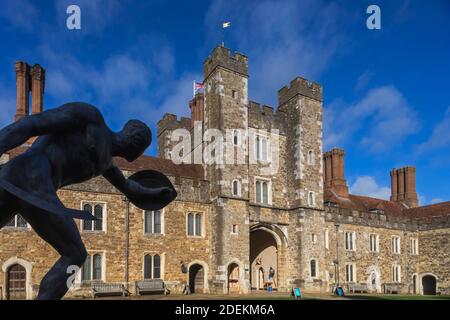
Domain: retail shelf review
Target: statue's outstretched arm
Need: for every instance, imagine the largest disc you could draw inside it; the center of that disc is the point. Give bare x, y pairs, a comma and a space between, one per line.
66, 117
131, 188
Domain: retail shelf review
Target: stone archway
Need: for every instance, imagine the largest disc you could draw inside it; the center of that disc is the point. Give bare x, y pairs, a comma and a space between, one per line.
234, 274
267, 243
17, 277
429, 284
260, 281
373, 280
196, 278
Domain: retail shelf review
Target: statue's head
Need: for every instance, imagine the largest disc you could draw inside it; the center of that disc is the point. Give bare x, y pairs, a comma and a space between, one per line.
135, 137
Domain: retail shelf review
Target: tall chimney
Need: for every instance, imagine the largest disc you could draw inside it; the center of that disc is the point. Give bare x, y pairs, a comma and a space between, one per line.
334, 172
328, 169
403, 186
37, 88
22, 90
197, 108
411, 198
394, 185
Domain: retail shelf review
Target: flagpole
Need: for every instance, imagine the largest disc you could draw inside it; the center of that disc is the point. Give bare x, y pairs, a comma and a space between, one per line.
222, 35
193, 89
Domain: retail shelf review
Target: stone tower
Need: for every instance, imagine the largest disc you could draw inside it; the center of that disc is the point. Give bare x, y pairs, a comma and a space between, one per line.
302, 104
226, 103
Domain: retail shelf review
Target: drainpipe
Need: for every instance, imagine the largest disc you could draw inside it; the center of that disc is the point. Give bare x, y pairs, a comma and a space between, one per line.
127, 239
337, 255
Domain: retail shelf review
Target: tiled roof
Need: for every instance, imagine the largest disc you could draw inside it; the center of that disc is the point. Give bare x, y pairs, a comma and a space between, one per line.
163, 165
389, 208
144, 163
427, 212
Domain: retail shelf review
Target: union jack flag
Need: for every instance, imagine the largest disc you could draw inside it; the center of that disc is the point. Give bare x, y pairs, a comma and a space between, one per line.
196, 87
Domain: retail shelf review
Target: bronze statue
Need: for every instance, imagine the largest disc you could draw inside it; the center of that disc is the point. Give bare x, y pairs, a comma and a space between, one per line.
74, 145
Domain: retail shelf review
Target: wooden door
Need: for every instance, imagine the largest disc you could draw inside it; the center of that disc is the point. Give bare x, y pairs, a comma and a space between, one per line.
16, 285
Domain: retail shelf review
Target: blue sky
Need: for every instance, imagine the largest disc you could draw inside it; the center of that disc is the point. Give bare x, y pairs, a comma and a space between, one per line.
386, 92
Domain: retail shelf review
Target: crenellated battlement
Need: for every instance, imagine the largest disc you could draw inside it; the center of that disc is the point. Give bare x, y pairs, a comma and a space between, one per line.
300, 86
171, 122
265, 117
255, 107
380, 220
221, 57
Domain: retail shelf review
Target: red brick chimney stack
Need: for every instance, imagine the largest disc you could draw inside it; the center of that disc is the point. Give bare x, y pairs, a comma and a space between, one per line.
37, 88
394, 185
334, 172
197, 107
403, 186
29, 79
22, 90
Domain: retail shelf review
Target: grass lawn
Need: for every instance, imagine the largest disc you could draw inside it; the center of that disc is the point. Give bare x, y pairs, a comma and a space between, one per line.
395, 297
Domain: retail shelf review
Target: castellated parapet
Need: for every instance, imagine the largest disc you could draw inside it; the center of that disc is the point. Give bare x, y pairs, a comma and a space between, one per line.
221, 57
300, 86
166, 126
266, 118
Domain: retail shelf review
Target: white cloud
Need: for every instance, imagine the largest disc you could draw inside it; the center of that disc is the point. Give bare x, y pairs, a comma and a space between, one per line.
363, 80
378, 122
440, 136
367, 186
133, 84
436, 200
283, 39
422, 199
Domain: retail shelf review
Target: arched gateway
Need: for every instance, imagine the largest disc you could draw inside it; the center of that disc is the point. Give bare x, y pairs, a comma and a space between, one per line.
267, 244
429, 284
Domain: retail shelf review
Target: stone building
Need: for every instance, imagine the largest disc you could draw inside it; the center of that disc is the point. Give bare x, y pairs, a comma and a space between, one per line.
267, 197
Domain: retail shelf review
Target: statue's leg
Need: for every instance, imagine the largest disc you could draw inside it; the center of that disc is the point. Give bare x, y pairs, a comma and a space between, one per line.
6, 211
62, 234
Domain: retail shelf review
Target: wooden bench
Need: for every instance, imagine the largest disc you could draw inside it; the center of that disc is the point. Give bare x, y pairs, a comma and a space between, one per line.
391, 288
353, 287
151, 286
109, 289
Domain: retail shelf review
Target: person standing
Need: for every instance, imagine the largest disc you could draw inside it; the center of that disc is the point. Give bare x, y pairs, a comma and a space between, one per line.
272, 277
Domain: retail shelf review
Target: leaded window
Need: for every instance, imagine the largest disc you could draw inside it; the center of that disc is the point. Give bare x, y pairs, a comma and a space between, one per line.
97, 210
153, 222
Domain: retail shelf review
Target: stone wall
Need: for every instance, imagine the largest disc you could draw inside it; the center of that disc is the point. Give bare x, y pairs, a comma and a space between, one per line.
434, 257
174, 245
